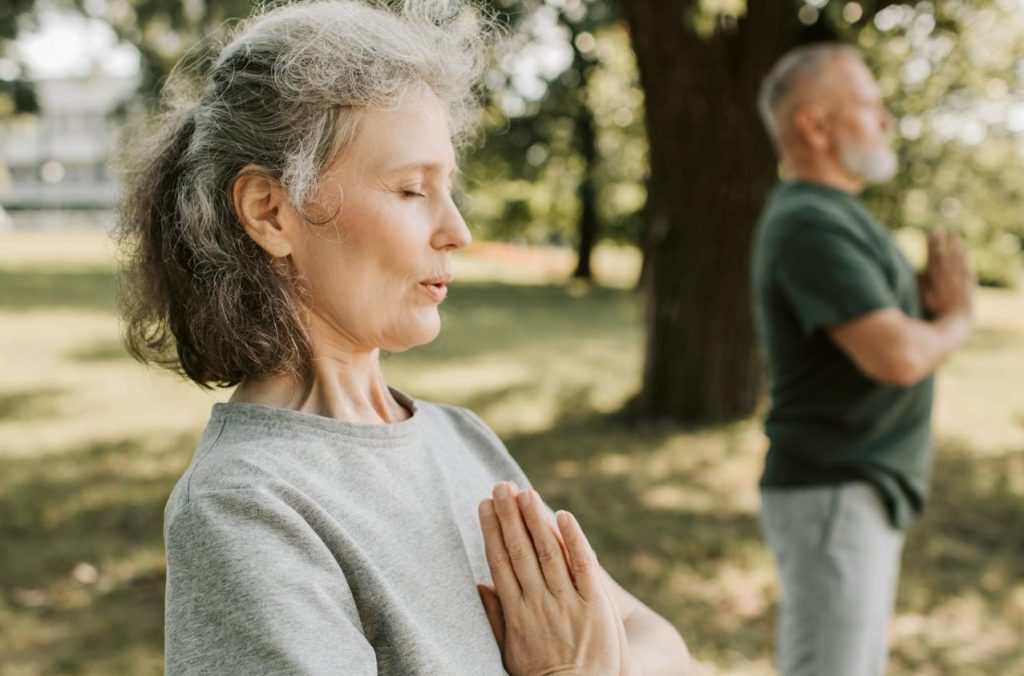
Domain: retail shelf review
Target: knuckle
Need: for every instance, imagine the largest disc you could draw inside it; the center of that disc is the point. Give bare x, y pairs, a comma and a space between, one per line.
548, 555
518, 552
497, 562
582, 565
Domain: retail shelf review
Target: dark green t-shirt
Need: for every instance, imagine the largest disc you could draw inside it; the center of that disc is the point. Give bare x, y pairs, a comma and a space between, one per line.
821, 259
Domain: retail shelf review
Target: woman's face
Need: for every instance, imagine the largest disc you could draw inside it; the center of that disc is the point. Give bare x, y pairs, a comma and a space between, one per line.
377, 271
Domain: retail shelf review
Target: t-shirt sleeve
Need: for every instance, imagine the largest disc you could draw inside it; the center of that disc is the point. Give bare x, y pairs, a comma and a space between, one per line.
828, 276
252, 589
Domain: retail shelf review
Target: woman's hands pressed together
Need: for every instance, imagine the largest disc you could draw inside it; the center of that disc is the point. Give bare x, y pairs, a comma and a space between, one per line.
549, 608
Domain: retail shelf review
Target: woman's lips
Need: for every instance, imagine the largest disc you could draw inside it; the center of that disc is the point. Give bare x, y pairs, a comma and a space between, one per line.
436, 288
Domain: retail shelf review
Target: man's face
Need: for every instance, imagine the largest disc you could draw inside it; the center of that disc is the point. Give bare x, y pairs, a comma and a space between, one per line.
861, 126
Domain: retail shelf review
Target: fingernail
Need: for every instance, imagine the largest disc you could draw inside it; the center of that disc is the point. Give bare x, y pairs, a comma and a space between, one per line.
501, 491
524, 498
486, 507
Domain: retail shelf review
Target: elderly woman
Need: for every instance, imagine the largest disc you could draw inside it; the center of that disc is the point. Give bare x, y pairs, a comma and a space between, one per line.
287, 223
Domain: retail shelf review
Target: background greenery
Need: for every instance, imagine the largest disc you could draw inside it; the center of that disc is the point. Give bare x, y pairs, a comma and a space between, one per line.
950, 69
92, 444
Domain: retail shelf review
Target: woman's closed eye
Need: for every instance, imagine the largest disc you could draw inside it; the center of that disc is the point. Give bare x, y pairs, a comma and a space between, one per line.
408, 193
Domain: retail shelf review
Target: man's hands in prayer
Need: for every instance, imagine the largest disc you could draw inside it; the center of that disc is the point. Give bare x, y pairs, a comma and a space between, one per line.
947, 283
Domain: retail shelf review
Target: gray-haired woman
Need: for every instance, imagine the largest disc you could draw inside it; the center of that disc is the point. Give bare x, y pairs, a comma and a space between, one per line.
288, 222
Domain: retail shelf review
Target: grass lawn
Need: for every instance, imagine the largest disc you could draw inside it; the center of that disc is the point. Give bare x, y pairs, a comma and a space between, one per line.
91, 444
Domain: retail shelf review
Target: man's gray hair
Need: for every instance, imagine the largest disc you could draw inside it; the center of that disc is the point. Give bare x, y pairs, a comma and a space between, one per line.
282, 99
789, 78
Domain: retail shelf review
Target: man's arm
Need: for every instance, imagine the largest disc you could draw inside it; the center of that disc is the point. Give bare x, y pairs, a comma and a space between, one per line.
892, 348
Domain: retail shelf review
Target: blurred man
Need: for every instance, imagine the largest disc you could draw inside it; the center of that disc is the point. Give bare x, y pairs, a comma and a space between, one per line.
852, 338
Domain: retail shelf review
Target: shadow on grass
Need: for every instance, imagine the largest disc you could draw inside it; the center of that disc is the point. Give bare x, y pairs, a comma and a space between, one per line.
683, 562
108, 350
969, 543
98, 507
91, 289
666, 556
28, 405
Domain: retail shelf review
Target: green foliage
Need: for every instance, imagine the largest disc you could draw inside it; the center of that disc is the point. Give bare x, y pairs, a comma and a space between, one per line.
16, 93
949, 71
525, 176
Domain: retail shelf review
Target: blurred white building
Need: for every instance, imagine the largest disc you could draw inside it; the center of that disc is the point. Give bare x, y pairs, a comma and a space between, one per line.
54, 167
60, 158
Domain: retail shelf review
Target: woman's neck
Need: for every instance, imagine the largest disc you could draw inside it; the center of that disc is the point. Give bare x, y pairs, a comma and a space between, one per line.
349, 388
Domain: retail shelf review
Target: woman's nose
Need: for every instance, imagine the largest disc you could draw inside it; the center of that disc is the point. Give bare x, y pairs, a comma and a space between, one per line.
453, 233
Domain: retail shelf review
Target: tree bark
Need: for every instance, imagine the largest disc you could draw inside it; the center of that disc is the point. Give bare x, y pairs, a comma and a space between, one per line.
588, 226
711, 167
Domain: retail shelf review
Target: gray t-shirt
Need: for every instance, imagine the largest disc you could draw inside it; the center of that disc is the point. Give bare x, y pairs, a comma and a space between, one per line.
300, 544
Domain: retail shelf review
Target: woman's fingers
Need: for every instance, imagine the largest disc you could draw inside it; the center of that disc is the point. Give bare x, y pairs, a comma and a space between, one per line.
582, 561
492, 606
518, 544
505, 582
553, 561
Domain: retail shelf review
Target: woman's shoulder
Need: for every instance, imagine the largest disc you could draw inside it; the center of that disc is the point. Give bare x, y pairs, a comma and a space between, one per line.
251, 448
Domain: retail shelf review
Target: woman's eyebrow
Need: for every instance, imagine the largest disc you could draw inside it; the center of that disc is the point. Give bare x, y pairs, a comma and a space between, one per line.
425, 167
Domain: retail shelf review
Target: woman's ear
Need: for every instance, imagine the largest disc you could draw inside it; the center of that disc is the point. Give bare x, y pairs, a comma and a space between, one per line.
264, 211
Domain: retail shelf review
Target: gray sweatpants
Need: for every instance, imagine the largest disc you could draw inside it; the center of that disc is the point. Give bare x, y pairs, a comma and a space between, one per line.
839, 558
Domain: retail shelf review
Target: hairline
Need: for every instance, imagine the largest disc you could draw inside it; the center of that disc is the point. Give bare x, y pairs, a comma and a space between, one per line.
781, 92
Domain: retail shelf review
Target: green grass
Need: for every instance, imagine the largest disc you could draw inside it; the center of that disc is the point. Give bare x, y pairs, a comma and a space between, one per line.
91, 444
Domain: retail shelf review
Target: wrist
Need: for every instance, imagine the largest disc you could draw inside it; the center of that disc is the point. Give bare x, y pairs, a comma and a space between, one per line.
958, 323
959, 313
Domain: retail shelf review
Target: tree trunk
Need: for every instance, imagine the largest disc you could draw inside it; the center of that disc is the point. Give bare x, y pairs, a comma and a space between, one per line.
711, 167
588, 223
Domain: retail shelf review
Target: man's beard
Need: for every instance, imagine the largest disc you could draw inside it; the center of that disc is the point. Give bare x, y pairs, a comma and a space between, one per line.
874, 165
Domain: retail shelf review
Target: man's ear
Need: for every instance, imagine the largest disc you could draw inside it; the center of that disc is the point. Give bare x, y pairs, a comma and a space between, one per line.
263, 209
810, 124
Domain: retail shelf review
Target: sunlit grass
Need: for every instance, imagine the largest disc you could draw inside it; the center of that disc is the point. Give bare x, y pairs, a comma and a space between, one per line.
91, 444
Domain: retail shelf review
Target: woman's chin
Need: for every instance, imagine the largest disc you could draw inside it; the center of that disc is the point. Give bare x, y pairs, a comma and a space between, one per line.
421, 335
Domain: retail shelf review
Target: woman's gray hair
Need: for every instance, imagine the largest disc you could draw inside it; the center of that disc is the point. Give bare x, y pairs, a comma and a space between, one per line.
283, 98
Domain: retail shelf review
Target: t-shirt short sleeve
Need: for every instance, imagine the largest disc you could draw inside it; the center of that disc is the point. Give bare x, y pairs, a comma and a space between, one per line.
829, 276
251, 589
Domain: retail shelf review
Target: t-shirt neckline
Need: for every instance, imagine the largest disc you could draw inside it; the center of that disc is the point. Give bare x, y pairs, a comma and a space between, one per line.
306, 423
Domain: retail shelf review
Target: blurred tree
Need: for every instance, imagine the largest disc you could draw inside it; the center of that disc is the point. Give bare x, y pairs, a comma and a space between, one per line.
164, 30
16, 92
951, 73
950, 69
582, 40
571, 130
711, 164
